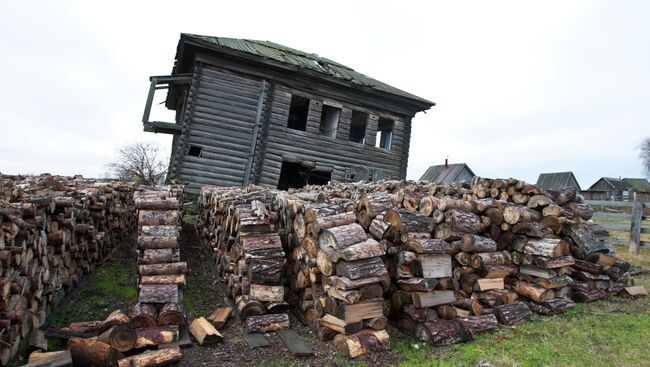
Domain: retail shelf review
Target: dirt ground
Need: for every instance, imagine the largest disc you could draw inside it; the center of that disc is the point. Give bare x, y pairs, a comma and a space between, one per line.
204, 293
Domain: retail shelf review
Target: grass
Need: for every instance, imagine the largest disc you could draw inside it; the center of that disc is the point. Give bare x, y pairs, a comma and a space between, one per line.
611, 332
109, 288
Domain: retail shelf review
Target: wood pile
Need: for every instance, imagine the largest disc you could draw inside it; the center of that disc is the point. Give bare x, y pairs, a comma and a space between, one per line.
157, 317
241, 228
53, 230
336, 272
443, 261
161, 273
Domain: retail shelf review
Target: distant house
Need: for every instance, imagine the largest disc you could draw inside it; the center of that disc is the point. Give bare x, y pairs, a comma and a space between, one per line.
558, 181
640, 186
608, 188
446, 173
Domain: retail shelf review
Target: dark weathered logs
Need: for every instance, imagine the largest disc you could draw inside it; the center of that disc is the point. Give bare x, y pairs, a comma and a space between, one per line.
441, 333
371, 267
479, 323
266, 323
513, 313
363, 342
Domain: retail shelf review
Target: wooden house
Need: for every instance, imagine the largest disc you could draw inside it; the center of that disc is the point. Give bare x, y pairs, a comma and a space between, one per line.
608, 188
446, 173
558, 181
258, 112
639, 187
618, 189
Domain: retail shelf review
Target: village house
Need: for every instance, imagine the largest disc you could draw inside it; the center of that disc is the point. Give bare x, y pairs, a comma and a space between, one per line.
256, 112
558, 181
447, 173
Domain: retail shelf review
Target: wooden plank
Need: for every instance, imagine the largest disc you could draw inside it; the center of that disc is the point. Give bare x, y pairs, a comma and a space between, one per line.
615, 228
611, 215
295, 343
635, 229
256, 340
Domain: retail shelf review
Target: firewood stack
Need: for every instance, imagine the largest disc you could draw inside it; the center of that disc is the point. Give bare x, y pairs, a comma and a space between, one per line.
53, 230
453, 259
161, 273
240, 227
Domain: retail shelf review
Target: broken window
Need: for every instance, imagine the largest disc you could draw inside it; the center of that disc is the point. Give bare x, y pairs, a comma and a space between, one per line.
329, 121
295, 175
384, 133
358, 127
298, 113
195, 151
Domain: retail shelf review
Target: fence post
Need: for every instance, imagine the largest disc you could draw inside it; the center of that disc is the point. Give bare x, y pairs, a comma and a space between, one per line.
635, 227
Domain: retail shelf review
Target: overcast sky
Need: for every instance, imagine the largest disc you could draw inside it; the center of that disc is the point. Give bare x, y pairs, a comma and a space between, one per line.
521, 87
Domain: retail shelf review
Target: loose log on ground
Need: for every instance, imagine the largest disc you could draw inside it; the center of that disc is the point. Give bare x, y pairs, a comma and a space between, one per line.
220, 316
266, 323
479, 323
155, 335
205, 333
92, 352
442, 333
160, 357
513, 313
120, 337
61, 358
363, 342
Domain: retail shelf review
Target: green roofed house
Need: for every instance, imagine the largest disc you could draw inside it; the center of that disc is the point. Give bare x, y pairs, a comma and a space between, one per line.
447, 173
257, 112
558, 181
640, 186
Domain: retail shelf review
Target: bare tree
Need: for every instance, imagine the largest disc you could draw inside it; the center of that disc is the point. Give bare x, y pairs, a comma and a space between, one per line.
139, 162
644, 154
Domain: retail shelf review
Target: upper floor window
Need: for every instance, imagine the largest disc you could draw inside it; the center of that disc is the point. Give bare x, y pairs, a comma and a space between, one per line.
384, 133
329, 121
358, 127
298, 113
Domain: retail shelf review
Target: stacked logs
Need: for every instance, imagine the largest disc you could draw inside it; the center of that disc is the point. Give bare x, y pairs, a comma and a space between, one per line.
161, 273
53, 230
241, 229
461, 258
122, 339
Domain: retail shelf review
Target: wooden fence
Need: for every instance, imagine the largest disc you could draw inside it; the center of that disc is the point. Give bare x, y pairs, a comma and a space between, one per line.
615, 212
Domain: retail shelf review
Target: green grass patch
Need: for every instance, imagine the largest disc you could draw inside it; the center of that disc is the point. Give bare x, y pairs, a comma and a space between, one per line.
109, 288
612, 332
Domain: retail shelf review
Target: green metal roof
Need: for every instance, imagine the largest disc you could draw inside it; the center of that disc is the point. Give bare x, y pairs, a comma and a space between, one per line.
302, 60
446, 173
639, 184
557, 181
